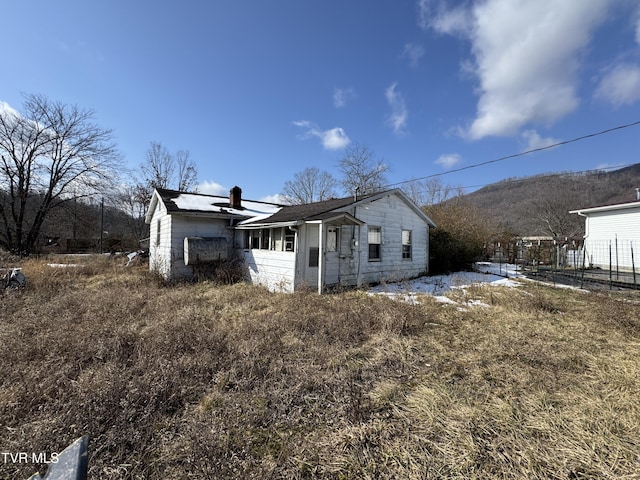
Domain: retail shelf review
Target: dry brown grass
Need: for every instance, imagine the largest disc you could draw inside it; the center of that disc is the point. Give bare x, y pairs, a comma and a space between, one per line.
203, 381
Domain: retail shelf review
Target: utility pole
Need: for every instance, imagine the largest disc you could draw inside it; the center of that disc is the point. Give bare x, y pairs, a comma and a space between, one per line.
101, 223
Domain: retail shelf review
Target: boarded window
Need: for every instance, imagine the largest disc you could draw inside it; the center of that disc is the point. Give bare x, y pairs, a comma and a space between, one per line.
374, 238
406, 244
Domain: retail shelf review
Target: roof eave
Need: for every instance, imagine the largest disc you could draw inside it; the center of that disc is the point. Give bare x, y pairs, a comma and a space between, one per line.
256, 225
606, 208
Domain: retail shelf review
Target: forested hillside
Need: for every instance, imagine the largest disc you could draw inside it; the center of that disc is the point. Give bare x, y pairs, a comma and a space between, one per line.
539, 205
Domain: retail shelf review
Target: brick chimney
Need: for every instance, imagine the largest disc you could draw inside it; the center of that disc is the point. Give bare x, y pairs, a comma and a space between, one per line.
235, 198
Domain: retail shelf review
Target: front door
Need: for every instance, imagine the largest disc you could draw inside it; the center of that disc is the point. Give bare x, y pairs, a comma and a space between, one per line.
331, 255
312, 255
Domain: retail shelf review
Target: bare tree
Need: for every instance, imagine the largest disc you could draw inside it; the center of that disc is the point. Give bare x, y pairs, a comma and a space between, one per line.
158, 168
186, 172
50, 153
430, 191
134, 201
361, 173
310, 185
161, 169
551, 214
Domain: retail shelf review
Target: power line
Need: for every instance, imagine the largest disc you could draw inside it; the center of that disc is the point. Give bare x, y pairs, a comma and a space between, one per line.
521, 154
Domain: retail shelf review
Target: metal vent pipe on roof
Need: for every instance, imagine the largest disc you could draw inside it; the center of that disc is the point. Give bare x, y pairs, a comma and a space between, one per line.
638, 193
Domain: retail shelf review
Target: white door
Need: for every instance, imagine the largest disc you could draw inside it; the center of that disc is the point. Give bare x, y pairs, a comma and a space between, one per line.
312, 255
331, 255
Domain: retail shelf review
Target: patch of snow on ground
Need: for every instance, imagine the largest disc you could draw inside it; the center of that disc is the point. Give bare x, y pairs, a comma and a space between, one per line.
508, 270
437, 285
443, 299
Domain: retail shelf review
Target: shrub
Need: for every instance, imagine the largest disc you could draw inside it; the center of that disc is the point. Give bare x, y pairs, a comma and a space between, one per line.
460, 235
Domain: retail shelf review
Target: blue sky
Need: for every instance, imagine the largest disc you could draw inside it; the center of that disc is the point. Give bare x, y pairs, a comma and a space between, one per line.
257, 90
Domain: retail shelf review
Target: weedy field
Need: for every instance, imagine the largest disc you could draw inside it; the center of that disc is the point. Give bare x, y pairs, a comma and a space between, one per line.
207, 381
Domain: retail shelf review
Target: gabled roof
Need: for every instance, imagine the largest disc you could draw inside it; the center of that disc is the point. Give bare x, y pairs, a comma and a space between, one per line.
185, 203
326, 210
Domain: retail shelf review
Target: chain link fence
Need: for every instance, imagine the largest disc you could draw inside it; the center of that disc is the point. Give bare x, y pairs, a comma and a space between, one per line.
605, 264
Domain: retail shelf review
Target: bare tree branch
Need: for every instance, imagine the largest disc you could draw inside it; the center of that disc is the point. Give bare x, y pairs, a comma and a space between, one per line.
187, 174
50, 152
159, 167
310, 185
362, 174
430, 191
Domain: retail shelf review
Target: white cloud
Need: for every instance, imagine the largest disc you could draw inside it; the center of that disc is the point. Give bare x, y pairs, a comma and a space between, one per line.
332, 139
399, 113
6, 108
342, 95
455, 21
621, 86
458, 21
424, 11
448, 160
413, 52
276, 198
212, 188
526, 57
534, 140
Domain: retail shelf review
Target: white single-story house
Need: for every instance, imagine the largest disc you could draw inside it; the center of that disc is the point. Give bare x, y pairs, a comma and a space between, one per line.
612, 235
343, 241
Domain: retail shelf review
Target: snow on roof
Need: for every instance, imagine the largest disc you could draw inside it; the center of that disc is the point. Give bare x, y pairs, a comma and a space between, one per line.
188, 201
195, 202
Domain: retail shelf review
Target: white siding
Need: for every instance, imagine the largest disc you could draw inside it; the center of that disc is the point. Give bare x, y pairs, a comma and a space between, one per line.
182, 227
167, 256
275, 270
160, 242
393, 215
286, 271
618, 228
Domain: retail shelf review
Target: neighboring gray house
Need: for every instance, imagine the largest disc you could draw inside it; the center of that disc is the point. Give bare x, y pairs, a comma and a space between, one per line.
612, 235
345, 241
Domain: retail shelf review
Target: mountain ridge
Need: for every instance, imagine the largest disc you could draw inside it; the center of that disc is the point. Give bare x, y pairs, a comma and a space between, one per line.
540, 204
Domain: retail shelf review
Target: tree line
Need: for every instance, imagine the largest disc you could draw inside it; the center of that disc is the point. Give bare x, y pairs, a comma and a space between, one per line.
56, 162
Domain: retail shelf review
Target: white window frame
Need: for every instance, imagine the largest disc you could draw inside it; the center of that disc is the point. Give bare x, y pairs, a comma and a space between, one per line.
407, 249
374, 231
